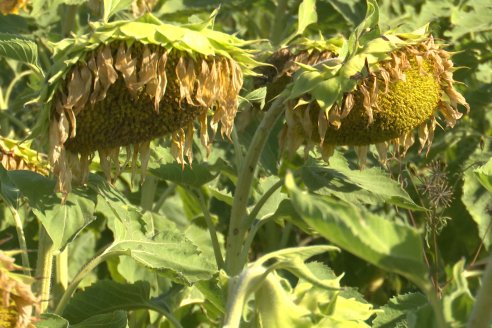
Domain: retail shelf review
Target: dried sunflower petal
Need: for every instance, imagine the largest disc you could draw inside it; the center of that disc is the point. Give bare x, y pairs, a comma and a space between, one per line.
128, 88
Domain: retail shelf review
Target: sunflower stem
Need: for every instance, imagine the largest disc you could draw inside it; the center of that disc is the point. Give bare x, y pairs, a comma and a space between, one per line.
237, 227
481, 315
436, 306
44, 267
62, 268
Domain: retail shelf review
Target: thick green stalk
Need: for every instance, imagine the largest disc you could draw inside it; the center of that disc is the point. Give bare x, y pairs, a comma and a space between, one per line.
237, 226
62, 268
44, 267
481, 316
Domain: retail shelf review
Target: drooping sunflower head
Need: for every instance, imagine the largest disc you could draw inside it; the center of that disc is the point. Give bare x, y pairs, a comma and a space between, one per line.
377, 92
130, 82
17, 300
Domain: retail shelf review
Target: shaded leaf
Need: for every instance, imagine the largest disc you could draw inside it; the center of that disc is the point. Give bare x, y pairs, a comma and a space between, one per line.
117, 319
107, 296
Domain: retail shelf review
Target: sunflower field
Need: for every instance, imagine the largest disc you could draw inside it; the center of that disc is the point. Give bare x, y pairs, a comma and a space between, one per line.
263, 163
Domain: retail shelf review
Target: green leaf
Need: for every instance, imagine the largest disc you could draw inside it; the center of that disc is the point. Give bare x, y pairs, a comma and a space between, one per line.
293, 260
168, 251
276, 309
117, 319
474, 17
478, 203
19, 48
113, 6
326, 93
167, 169
50, 320
305, 82
107, 296
352, 11
458, 300
62, 221
484, 175
390, 245
368, 186
307, 15
395, 313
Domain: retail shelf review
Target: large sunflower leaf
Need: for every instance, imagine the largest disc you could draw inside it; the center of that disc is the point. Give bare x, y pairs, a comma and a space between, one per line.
170, 251
368, 186
389, 245
62, 221
107, 296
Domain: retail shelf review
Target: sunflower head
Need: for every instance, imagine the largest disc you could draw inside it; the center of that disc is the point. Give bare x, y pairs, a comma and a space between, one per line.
17, 156
379, 90
17, 300
132, 81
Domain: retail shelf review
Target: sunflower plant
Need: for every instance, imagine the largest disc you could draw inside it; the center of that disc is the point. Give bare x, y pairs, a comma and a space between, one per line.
271, 164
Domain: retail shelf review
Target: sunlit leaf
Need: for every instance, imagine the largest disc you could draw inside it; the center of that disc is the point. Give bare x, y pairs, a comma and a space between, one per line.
392, 246
62, 221
19, 48
307, 15
368, 186
398, 309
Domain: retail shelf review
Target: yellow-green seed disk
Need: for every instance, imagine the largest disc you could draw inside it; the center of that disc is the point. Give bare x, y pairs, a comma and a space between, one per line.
406, 105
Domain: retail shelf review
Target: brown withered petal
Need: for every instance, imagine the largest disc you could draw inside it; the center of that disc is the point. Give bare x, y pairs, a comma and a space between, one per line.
123, 95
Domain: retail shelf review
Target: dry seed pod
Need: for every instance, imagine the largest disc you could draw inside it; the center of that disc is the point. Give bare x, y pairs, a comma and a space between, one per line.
16, 156
17, 300
389, 87
130, 82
